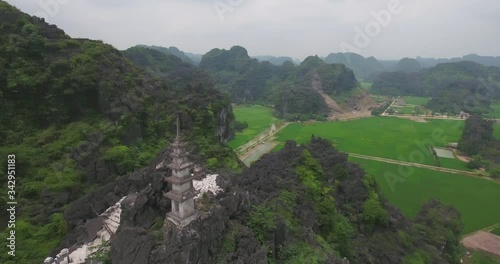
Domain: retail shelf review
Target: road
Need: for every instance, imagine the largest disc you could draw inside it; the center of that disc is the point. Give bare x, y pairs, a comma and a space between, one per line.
389, 107
418, 165
249, 153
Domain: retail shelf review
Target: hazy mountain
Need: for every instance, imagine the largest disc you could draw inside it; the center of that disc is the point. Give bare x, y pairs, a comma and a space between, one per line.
286, 87
484, 60
364, 68
172, 51
408, 65
278, 61
196, 58
453, 86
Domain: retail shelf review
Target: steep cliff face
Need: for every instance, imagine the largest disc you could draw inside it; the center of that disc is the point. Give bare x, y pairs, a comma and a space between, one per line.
78, 115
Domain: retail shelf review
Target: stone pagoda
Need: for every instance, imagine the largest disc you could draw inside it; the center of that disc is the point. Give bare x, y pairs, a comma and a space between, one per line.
182, 193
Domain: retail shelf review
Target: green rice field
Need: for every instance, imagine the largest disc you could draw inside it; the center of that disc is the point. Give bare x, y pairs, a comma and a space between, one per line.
413, 100
259, 118
496, 111
386, 137
366, 85
398, 139
475, 198
479, 257
453, 164
405, 110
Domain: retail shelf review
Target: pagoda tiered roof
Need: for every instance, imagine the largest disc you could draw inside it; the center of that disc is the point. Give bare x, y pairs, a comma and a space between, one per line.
178, 143
180, 155
180, 166
180, 197
177, 180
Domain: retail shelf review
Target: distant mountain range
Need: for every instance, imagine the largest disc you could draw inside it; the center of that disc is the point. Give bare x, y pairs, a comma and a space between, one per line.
365, 68
278, 61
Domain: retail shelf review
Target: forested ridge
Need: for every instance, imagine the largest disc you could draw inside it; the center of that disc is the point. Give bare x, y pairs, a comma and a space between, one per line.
453, 87
313, 206
478, 142
77, 114
88, 123
286, 87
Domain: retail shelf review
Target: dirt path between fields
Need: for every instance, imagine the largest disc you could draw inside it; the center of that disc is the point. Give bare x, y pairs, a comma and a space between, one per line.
258, 146
483, 241
418, 165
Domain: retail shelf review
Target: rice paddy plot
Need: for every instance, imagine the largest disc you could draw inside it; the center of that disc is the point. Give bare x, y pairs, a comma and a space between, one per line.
380, 98
366, 85
404, 110
409, 188
259, 118
496, 131
385, 137
414, 100
496, 111
453, 164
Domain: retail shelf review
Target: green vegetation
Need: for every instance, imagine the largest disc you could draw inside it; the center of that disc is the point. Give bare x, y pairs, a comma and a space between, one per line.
366, 85
259, 118
453, 87
495, 113
78, 114
406, 110
453, 164
479, 257
350, 215
364, 68
286, 87
479, 142
380, 98
496, 131
475, 198
496, 231
387, 137
414, 100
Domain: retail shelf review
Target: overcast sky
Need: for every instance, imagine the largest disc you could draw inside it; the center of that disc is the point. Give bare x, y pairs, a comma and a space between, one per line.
295, 28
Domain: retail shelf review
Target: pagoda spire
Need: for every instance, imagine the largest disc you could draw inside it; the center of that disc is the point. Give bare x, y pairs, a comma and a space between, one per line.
182, 193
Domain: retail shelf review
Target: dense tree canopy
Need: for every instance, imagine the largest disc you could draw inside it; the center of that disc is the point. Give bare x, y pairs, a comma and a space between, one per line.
286, 87
453, 87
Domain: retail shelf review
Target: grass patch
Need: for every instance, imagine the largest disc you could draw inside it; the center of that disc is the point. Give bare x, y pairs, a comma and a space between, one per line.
453, 164
414, 100
405, 110
496, 111
259, 118
387, 137
479, 257
366, 85
496, 231
380, 98
475, 198
496, 131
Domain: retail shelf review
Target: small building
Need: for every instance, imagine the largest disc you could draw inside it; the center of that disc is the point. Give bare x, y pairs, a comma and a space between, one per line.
400, 102
463, 115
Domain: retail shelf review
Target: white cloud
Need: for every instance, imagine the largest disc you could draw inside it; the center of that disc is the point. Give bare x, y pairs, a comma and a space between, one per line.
295, 28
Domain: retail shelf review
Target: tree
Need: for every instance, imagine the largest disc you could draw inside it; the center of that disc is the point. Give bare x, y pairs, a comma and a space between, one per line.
442, 227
